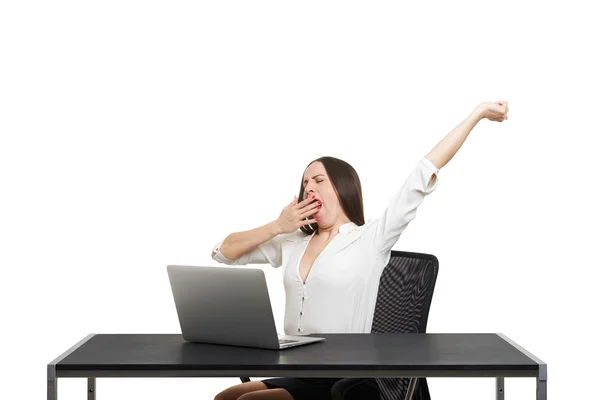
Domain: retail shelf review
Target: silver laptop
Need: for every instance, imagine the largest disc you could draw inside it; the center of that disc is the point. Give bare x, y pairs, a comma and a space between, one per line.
227, 305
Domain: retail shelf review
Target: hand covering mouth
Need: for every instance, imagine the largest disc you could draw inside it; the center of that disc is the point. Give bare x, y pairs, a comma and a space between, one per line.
316, 211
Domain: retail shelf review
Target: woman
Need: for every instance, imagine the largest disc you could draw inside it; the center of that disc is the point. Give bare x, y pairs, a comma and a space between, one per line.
332, 265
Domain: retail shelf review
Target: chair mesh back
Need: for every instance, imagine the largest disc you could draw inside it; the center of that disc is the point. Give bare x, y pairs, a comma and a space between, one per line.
403, 300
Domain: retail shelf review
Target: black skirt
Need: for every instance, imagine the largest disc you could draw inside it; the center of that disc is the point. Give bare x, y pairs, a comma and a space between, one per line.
314, 388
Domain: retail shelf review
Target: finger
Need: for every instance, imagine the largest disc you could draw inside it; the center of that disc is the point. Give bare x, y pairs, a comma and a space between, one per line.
310, 206
308, 222
308, 212
298, 202
305, 202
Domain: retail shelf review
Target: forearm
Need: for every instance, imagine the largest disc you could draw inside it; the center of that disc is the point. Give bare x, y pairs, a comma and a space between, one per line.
239, 243
449, 145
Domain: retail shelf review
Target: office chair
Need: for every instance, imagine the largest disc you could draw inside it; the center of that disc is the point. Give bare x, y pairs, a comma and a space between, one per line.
403, 301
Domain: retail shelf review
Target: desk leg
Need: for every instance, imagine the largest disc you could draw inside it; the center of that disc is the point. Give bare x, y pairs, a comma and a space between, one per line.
52, 389
411, 388
542, 381
499, 388
53, 379
541, 388
91, 389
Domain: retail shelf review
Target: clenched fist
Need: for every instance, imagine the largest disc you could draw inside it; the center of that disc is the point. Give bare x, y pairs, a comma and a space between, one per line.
494, 111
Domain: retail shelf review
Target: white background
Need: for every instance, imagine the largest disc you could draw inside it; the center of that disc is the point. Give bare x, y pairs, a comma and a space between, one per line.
138, 134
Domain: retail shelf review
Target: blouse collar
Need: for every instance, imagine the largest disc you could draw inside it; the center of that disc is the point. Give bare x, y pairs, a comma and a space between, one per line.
343, 229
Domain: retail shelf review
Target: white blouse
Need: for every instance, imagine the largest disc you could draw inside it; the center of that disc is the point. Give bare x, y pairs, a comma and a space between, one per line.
340, 292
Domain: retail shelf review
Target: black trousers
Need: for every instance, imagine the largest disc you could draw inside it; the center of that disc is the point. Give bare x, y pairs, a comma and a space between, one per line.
356, 389
321, 388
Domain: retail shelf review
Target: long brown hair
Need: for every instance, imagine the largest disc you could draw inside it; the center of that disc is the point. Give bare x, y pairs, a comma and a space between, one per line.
346, 184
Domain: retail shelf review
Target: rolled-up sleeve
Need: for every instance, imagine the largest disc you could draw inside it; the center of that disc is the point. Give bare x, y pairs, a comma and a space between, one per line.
402, 208
269, 252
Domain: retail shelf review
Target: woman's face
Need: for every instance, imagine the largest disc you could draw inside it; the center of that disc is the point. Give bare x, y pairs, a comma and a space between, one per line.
317, 183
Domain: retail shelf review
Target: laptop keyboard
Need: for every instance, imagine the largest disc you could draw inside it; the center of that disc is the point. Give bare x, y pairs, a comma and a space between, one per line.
284, 341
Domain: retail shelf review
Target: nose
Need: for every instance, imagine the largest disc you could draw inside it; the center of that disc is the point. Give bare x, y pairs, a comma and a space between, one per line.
308, 193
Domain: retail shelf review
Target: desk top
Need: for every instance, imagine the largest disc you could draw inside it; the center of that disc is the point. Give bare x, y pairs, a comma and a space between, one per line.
339, 352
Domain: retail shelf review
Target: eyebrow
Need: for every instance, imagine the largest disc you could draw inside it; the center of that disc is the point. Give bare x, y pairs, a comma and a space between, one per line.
313, 177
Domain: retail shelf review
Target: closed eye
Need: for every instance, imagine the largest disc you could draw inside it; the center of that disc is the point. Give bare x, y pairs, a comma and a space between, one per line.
316, 181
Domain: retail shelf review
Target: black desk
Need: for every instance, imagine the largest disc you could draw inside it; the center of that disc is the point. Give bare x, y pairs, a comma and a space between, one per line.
341, 355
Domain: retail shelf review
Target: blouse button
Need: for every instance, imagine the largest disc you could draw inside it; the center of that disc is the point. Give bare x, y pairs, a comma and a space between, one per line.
300, 312
299, 330
302, 297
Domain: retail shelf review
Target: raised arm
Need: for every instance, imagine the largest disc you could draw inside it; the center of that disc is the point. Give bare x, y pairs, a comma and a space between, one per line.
422, 181
402, 207
449, 145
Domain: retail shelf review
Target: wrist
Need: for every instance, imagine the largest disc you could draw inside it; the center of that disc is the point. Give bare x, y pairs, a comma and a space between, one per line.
479, 112
274, 228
